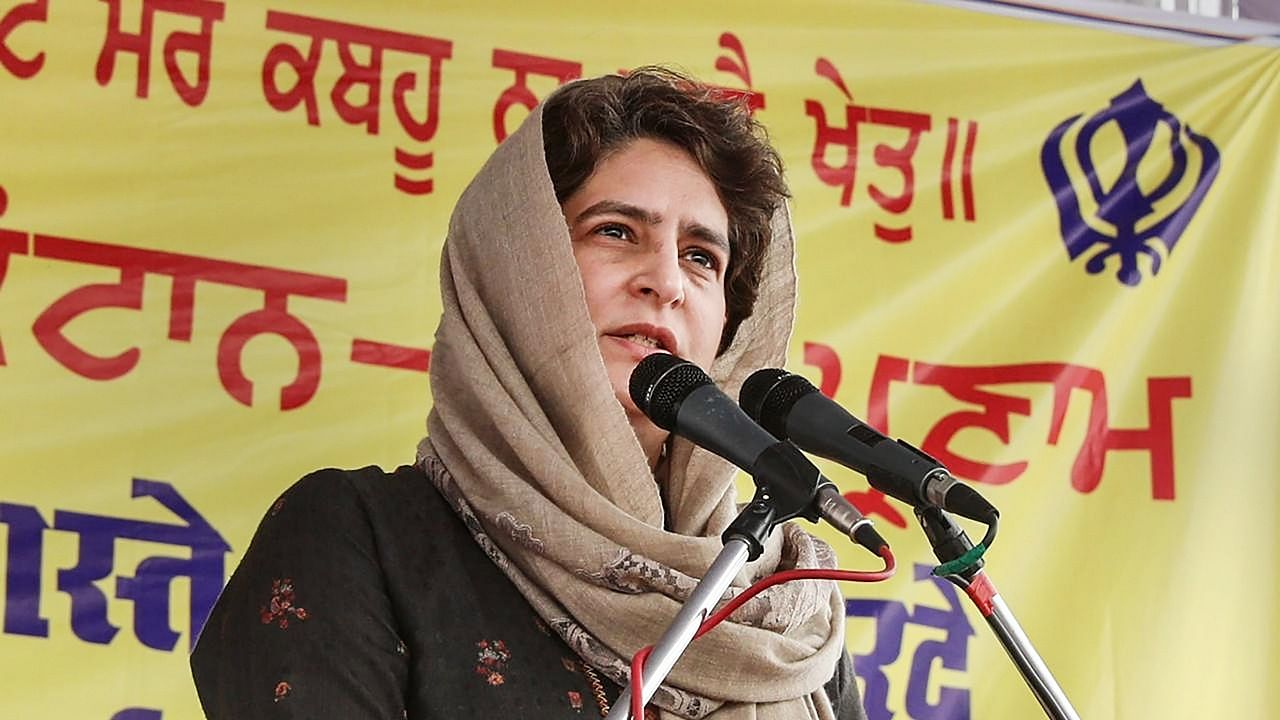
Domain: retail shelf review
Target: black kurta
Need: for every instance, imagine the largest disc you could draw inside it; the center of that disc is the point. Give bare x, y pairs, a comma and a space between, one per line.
363, 595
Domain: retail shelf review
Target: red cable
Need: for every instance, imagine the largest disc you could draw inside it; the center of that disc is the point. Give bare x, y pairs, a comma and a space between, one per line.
637, 680
637, 661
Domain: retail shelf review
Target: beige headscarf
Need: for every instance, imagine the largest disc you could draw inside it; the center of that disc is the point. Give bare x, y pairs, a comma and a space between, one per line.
529, 444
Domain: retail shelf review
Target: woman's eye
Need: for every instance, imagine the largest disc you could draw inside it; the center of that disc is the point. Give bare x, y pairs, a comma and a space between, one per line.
703, 258
622, 232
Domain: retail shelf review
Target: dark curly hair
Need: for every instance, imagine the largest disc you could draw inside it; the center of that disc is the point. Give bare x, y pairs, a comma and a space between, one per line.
586, 121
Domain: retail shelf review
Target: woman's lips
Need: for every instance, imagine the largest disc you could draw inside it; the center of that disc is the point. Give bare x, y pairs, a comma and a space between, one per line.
638, 351
654, 337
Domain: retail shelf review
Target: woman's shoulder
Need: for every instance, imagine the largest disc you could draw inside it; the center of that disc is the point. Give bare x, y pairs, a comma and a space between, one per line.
370, 490
370, 479
311, 608
399, 517
366, 515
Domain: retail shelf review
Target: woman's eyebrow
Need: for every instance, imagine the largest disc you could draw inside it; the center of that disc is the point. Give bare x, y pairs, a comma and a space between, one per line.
706, 235
635, 212
649, 217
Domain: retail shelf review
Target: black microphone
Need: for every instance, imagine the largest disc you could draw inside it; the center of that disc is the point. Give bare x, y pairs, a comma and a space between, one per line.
679, 397
790, 407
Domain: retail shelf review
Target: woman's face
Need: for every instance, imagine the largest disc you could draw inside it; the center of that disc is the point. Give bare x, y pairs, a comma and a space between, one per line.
651, 239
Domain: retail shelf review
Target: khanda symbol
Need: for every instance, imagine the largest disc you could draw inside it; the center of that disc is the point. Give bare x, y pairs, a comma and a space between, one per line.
1126, 203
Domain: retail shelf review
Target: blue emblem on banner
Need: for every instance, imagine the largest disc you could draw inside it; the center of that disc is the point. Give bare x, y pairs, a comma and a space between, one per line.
1127, 204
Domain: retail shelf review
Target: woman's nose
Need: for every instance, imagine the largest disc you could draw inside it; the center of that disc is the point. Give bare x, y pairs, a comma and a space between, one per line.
659, 275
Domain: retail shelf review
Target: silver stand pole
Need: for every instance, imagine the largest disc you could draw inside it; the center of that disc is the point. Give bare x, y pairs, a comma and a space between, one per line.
1021, 651
950, 543
787, 486
696, 609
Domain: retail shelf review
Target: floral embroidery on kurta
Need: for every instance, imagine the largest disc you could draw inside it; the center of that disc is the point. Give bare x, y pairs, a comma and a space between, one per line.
282, 690
575, 700
492, 660
282, 605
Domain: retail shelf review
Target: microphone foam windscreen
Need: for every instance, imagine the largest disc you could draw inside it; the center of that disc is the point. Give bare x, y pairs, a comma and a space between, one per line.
660, 382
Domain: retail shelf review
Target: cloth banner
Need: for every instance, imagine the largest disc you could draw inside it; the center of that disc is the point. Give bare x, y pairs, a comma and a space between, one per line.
1040, 245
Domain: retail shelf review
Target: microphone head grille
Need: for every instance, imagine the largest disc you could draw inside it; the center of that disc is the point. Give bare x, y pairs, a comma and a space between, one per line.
767, 396
756, 388
660, 382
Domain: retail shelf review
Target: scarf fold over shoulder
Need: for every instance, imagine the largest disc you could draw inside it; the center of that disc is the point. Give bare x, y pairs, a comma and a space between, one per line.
533, 451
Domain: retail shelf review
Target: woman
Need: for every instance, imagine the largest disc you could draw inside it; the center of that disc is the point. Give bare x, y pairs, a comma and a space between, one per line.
583, 526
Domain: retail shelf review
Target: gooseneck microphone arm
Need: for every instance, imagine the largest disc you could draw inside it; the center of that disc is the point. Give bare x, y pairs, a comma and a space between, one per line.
679, 397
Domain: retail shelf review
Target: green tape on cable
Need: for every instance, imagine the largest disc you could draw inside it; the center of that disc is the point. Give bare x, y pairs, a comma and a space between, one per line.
962, 563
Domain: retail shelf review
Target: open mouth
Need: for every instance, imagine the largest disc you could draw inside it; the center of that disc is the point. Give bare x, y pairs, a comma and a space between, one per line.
644, 340
645, 337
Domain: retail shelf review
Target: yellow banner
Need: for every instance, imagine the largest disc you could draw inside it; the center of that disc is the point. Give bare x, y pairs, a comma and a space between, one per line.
219, 236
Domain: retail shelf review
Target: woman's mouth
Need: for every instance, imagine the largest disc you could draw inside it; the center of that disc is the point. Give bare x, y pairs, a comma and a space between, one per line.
643, 340
646, 337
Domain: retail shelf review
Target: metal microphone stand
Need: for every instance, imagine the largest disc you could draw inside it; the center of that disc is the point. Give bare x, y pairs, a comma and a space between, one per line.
950, 544
743, 541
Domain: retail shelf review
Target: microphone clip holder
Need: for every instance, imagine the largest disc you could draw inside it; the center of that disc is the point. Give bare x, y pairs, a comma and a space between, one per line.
786, 488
